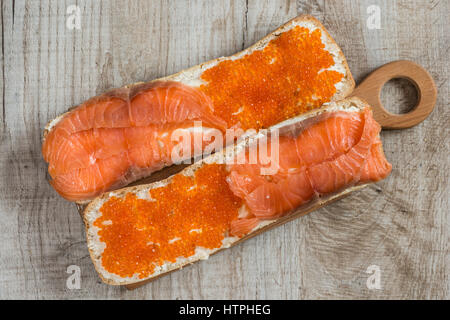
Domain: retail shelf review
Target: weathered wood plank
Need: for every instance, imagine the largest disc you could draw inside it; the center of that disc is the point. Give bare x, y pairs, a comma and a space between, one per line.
401, 224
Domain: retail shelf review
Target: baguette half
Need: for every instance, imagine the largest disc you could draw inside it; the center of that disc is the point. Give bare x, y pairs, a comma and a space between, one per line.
92, 211
192, 76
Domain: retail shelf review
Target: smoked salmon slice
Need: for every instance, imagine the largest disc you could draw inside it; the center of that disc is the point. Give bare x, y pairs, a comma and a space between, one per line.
339, 151
117, 138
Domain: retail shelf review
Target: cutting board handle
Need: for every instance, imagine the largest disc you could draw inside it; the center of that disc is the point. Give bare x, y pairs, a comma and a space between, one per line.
370, 90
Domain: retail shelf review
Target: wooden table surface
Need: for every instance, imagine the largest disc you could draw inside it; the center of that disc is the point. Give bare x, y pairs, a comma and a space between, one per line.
400, 225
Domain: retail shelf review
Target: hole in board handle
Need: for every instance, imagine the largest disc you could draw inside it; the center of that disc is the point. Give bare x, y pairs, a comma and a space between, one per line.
399, 96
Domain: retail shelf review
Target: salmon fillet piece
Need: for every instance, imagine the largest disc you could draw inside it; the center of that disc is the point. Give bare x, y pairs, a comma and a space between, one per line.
340, 151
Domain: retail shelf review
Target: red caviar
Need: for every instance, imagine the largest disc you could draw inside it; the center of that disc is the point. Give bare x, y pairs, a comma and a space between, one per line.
286, 78
142, 234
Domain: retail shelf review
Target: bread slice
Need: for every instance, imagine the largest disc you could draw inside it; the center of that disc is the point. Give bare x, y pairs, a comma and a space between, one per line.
92, 211
192, 76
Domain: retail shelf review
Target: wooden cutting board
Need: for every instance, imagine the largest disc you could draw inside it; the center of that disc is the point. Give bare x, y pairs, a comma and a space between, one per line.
369, 90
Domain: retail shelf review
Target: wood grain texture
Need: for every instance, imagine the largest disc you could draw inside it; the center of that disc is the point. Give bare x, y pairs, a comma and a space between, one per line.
401, 224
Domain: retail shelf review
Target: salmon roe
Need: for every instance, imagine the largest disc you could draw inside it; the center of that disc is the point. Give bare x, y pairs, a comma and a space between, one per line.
143, 234
286, 78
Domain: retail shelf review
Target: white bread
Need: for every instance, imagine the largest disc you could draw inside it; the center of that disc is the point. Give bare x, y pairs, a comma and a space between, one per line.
92, 212
192, 75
